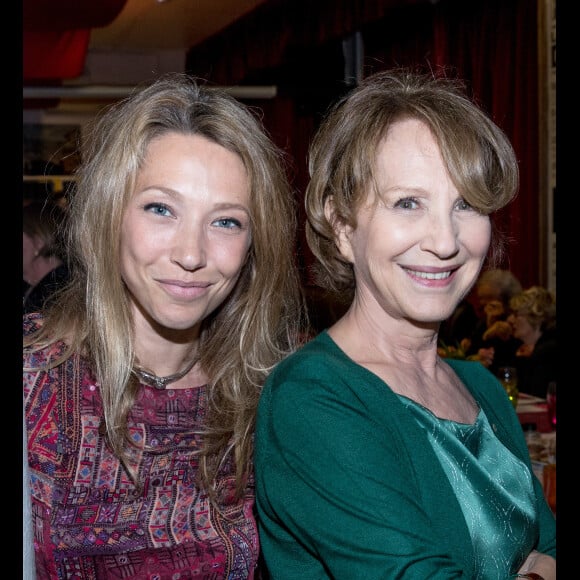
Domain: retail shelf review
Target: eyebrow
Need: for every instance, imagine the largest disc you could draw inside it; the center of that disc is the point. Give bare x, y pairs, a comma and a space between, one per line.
173, 194
225, 205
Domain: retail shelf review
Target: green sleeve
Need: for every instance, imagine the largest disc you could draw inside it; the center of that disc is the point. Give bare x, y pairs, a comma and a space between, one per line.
333, 470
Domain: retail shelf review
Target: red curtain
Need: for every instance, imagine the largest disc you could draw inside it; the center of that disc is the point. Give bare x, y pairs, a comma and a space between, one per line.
56, 35
54, 55
491, 44
497, 52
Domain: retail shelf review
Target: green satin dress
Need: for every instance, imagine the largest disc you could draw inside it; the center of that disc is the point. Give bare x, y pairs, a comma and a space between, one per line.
493, 488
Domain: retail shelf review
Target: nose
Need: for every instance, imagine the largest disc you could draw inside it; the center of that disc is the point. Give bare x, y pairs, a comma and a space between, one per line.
441, 236
189, 247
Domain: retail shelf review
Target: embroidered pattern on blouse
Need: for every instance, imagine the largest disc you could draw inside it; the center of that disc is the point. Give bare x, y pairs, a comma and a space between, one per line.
90, 522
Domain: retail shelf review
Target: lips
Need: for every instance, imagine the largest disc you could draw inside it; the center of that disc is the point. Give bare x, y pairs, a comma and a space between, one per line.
184, 290
183, 284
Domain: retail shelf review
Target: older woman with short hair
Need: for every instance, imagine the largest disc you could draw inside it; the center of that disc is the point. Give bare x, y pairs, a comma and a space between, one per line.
533, 321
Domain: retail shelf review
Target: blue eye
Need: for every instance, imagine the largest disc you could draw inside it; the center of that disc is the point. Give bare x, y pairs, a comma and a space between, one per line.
407, 203
228, 223
158, 209
463, 205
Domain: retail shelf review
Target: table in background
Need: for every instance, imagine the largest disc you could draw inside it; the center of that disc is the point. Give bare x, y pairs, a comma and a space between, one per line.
541, 442
533, 410
542, 448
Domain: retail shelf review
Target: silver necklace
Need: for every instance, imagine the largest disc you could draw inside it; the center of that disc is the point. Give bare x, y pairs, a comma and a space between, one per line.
160, 383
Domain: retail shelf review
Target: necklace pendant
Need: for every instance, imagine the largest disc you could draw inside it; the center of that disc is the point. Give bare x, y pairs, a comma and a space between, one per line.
160, 383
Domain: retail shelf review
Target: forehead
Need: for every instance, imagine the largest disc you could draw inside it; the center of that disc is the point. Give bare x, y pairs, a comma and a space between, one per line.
409, 155
193, 163
409, 135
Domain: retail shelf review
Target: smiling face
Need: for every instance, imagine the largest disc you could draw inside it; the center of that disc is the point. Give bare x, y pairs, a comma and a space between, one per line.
418, 249
185, 232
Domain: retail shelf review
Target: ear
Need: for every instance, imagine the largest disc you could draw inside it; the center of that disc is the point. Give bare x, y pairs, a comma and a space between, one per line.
342, 231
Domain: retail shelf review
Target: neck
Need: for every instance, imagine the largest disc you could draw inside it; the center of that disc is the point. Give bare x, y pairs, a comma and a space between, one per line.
163, 351
532, 337
40, 267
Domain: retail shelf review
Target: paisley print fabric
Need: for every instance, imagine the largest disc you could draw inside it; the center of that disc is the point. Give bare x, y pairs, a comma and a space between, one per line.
91, 522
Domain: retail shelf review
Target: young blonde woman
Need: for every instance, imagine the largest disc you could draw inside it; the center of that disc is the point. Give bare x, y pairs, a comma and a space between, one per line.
142, 380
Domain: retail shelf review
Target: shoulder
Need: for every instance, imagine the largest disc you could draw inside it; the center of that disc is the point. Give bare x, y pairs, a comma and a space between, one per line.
307, 375
319, 379
315, 358
35, 356
31, 323
319, 362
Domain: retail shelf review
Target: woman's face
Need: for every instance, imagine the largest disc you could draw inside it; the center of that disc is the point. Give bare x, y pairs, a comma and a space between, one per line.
488, 294
186, 231
521, 326
418, 250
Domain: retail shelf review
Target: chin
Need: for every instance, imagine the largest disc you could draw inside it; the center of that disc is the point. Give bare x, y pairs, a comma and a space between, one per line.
435, 315
182, 325
175, 323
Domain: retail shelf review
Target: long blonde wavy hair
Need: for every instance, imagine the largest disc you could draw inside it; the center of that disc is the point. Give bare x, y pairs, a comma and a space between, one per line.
257, 325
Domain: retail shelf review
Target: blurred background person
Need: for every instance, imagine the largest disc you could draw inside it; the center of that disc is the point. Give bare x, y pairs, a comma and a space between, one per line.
44, 269
533, 321
491, 341
462, 323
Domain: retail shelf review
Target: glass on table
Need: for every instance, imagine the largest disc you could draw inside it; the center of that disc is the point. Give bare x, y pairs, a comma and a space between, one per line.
508, 377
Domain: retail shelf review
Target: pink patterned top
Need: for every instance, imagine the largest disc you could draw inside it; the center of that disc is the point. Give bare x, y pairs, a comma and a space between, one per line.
89, 520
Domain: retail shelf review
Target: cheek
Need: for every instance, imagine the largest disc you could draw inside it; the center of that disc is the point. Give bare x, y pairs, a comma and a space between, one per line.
125, 249
231, 256
27, 245
476, 236
526, 326
371, 245
399, 237
390, 241
137, 248
27, 254
127, 265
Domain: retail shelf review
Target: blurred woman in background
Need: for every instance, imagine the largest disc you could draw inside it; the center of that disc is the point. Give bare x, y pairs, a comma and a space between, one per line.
43, 266
533, 322
491, 342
